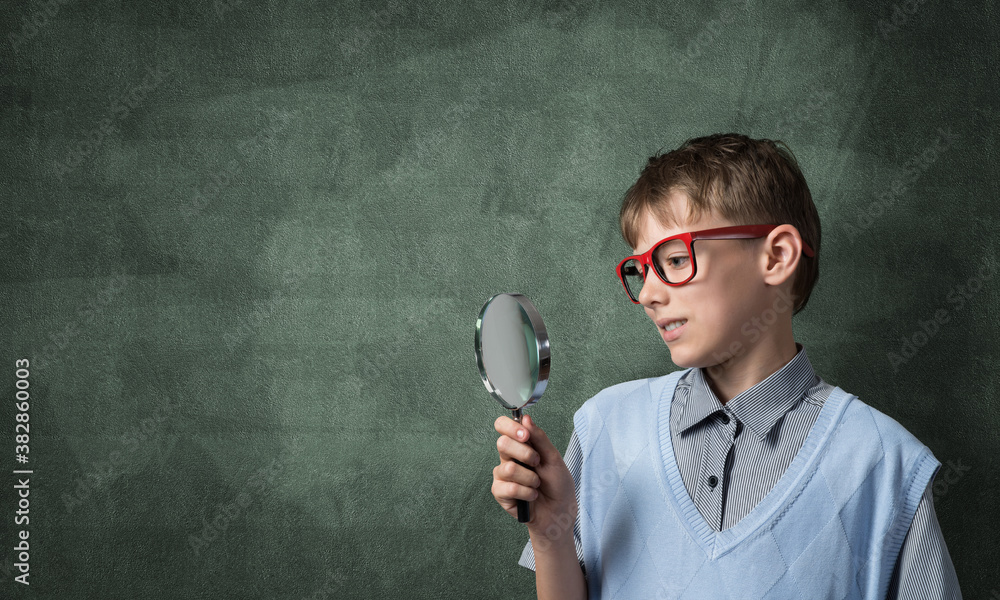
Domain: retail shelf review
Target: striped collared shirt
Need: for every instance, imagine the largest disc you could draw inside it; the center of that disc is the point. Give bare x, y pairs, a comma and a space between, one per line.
731, 455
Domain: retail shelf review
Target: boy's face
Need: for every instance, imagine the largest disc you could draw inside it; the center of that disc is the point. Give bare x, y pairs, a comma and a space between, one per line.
727, 291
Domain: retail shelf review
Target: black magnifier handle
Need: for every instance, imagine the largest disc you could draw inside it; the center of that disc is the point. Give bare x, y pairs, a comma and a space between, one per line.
523, 507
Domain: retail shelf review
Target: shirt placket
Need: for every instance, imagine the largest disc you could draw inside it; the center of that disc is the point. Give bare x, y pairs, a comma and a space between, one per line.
720, 436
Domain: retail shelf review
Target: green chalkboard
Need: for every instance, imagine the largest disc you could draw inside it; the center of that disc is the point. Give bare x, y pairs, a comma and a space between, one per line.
244, 245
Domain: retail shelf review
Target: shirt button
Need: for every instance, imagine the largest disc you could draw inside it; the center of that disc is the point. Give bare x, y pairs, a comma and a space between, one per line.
725, 419
712, 481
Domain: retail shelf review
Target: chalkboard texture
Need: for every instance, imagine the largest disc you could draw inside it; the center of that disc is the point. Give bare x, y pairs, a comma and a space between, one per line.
244, 245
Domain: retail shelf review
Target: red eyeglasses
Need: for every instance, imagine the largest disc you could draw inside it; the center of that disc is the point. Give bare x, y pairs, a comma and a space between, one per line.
673, 258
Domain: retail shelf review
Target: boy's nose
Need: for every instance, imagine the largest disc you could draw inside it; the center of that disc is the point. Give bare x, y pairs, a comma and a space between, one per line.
653, 290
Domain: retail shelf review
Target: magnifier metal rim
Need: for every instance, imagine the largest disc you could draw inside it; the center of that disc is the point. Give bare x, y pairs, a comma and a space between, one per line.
541, 343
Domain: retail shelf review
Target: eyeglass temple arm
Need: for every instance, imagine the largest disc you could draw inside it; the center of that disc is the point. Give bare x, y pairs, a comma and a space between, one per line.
716, 234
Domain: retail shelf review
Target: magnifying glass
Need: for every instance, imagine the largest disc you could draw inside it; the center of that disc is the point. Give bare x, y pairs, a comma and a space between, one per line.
512, 351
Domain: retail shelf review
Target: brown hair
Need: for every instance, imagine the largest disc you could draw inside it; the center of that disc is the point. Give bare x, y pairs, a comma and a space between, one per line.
744, 180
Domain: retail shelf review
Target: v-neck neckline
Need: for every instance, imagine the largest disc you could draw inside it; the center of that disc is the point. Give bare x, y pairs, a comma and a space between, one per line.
716, 543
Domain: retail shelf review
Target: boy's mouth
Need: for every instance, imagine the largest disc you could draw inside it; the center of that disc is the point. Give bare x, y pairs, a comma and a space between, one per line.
670, 324
674, 325
671, 329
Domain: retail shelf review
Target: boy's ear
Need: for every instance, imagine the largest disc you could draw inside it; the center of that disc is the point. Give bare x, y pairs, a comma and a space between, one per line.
782, 252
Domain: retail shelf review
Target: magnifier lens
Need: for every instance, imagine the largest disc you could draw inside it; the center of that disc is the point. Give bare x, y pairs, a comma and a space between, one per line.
512, 351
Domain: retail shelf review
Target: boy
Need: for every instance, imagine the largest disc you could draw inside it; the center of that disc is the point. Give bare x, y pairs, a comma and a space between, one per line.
743, 475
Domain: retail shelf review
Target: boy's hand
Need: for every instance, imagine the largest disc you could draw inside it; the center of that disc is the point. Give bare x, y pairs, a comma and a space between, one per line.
549, 488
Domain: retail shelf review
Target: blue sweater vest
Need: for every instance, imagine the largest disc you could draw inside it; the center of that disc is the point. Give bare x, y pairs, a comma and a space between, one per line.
831, 527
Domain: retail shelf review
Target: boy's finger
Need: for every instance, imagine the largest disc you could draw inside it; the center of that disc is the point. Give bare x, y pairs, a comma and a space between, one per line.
510, 428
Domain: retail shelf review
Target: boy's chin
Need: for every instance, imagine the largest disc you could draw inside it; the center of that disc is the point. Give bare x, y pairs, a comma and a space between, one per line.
686, 360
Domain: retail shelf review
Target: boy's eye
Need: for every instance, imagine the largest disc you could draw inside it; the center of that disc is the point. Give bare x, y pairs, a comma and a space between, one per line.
677, 262
671, 255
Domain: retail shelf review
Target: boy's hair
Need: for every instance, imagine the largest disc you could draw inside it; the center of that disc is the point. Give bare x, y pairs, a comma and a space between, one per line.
744, 180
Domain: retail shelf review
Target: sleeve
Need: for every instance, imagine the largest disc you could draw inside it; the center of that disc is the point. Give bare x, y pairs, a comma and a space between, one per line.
924, 570
574, 461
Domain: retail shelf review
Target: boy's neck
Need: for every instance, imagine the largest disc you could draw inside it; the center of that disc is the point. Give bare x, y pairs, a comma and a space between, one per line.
731, 378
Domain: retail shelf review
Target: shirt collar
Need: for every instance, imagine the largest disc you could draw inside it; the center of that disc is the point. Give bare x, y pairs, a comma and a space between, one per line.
758, 407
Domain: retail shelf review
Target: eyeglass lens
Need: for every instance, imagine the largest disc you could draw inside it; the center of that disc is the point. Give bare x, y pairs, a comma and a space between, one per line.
670, 260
